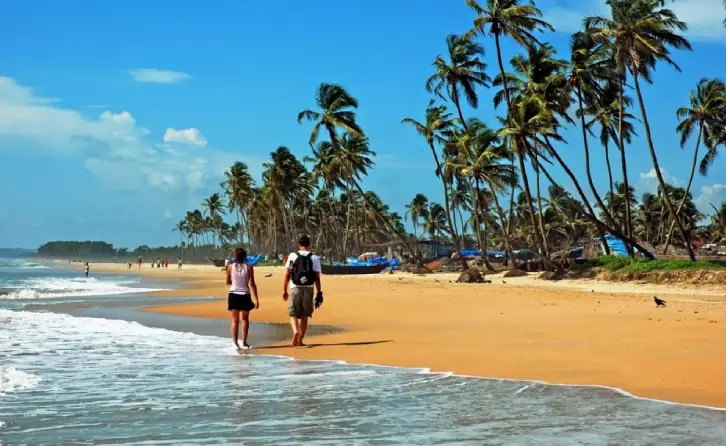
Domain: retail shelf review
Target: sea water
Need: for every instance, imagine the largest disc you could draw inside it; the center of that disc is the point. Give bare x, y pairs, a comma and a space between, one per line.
80, 380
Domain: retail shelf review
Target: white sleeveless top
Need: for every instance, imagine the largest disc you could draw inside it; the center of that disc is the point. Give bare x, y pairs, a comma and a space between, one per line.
239, 279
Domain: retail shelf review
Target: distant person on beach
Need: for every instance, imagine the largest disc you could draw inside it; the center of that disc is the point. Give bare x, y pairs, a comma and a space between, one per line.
280, 257
140, 261
179, 263
241, 279
166, 262
86, 267
158, 262
301, 274
129, 265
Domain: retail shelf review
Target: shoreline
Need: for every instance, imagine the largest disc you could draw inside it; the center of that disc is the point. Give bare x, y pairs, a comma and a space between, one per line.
586, 333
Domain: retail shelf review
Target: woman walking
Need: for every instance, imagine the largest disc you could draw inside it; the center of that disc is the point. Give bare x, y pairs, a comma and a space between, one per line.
241, 278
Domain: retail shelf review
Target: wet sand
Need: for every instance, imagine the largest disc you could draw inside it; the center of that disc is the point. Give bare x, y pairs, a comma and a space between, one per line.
569, 332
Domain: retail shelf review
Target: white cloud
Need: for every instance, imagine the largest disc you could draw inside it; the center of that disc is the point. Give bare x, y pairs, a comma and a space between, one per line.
704, 17
152, 75
187, 136
649, 181
714, 194
115, 147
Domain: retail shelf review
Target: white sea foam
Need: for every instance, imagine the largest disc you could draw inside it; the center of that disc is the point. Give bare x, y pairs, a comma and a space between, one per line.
12, 380
56, 287
122, 380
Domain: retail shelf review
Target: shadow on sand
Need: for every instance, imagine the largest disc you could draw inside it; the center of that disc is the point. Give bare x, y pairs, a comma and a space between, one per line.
323, 344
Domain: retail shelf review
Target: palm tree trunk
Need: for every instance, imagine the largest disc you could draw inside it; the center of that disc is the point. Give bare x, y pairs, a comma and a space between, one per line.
347, 224
477, 230
624, 164
590, 215
507, 242
383, 219
528, 195
540, 217
688, 188
610, 180
656, 166
239, 224
508, 99
591, 182
583, 197
447, 204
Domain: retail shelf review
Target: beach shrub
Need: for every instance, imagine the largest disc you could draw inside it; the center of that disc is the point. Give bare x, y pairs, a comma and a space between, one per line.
626, 265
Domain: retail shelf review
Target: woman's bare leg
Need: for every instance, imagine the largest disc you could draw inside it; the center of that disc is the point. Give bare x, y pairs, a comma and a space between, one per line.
245, 327
235, 327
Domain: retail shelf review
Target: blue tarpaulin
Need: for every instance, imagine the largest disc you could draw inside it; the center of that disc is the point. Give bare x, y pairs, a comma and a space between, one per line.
617, 246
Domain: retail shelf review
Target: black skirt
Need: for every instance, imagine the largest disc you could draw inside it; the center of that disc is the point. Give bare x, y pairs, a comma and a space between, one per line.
240, 302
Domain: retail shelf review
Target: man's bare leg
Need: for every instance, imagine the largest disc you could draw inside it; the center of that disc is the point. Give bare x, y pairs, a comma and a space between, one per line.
303, 329
295, 331
234, 328
245, 327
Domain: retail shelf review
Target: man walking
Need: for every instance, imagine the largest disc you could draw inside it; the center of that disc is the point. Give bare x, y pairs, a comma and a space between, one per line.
303, 270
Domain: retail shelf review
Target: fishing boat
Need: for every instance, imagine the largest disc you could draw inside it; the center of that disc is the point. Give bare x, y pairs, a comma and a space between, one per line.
342, 270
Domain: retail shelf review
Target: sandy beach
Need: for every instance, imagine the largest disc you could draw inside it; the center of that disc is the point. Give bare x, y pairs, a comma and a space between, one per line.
585, 332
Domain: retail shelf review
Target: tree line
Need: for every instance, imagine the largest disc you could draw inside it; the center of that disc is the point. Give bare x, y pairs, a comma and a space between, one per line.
497, 178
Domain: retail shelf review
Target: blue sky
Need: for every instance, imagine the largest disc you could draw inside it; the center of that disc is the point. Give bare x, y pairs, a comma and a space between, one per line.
117, 117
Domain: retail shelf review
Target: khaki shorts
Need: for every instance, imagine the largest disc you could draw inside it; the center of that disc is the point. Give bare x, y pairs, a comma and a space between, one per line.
300, 303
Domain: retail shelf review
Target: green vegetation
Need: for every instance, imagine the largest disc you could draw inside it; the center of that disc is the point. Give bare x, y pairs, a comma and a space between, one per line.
497, 166
627, 265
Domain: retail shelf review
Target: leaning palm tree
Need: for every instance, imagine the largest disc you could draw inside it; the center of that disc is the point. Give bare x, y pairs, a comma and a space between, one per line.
434, 129
508, 18
238, 185
336, 111
214, 209
707, 107
464, 71
642, 33
417, 209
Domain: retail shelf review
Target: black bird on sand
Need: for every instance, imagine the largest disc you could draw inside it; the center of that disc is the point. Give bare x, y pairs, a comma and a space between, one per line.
268, 275
659, 302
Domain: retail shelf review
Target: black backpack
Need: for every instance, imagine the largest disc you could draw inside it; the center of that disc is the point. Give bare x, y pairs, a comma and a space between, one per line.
302, 270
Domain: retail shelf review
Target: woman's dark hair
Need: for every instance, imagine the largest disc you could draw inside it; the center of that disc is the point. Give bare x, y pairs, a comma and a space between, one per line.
240, 255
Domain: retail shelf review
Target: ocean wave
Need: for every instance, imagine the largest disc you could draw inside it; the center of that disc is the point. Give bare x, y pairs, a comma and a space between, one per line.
22, 264
57, 287
12, 380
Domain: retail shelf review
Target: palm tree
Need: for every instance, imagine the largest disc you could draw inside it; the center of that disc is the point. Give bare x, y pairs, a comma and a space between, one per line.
417, 209
462, 74
508, 18
527, 121
479, 155
589, 68
641, 33
214, 209
434, 129
707, 107
336, 111
238, 186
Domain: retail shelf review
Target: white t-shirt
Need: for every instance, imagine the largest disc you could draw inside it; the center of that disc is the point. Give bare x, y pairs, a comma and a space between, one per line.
291, 260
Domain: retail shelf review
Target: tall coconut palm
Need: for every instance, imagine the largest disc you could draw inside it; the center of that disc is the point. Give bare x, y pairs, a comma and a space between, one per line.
528, 119
462, 74
642, 33
509, 18
605, 112
706, 109
238, 185
417, 210
214, 209
337, 110
437, 125
589, 68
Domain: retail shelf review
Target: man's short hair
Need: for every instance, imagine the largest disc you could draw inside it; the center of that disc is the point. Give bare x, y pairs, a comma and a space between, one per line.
304, 241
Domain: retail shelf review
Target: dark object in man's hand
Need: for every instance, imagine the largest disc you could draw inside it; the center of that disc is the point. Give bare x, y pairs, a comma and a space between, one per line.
318, 300
659, 302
